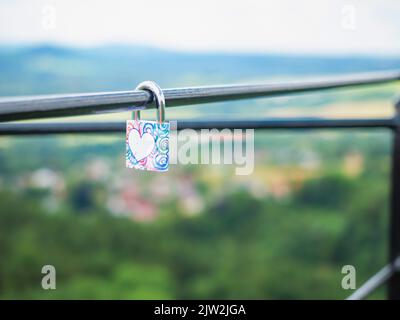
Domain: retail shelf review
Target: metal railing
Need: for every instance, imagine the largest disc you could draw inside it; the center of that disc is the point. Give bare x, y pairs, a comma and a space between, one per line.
23, 108
119, 127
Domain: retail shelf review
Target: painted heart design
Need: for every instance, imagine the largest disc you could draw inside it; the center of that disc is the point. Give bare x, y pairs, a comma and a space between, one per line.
141, 146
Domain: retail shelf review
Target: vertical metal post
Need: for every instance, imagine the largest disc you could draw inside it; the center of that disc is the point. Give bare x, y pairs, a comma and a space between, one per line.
394, 222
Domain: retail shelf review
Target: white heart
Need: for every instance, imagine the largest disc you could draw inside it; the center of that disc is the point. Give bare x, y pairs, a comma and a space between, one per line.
141, 146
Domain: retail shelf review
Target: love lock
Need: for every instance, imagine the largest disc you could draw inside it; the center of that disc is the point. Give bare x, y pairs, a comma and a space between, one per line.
147, 142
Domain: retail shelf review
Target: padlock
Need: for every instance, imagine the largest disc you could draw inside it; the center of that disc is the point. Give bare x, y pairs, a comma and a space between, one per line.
147, 142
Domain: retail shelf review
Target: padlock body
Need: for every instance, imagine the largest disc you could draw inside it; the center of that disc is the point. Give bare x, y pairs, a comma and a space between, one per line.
147, 145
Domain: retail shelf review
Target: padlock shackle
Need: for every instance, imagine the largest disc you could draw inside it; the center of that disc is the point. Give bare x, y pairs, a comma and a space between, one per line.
158, 96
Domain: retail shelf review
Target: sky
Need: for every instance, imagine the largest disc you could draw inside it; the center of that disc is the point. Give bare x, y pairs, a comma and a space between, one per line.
366, 27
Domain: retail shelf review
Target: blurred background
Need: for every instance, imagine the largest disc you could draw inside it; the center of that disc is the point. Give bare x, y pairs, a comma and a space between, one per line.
317, 200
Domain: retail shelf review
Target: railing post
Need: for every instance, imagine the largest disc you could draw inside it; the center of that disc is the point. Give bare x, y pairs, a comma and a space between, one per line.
394, 222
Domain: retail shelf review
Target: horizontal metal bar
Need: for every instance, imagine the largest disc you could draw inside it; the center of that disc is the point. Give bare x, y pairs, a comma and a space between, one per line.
376, 281
119, 127
20, 108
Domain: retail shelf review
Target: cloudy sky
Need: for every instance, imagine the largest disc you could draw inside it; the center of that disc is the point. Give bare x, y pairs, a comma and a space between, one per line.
370, 27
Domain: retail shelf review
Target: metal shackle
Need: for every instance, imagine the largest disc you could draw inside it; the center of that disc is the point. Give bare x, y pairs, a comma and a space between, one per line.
158, 96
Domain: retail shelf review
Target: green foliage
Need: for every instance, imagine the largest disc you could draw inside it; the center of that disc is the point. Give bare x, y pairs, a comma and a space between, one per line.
239, 246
